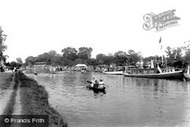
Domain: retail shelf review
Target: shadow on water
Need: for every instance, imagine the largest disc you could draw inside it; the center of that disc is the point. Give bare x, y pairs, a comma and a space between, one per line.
97, 93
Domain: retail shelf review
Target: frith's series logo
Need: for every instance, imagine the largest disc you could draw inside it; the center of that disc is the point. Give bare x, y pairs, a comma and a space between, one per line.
160, 21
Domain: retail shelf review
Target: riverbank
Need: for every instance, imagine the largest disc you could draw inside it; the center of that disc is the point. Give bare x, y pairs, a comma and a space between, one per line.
29, 98
35, 101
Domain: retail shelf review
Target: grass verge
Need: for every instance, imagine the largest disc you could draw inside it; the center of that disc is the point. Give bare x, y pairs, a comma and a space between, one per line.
9, 108
34, 99
5, 79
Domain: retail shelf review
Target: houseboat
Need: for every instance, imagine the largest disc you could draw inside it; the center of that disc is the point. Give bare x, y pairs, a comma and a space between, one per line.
154, 73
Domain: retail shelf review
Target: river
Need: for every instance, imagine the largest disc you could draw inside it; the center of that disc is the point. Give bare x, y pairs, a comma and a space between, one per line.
127, 102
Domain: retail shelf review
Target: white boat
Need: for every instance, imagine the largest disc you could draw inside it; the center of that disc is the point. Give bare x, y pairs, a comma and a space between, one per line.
164, 75
113, 72
152, 73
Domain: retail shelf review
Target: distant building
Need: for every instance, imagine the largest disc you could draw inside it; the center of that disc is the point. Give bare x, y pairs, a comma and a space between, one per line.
79, 67
41, 64
40, 67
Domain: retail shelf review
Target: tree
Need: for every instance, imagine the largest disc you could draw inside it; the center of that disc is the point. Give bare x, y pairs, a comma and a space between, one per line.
92, 62
120, 58
3, 47
52, 53
30, 60
187, 56
100, 58
53, 56
108, 60
45, 57
57, 60
104, 59
84, 53
174, 56
13, 64
186, 50
19, 60
133, 57
67, 62
174, 53
69, 53
3, 37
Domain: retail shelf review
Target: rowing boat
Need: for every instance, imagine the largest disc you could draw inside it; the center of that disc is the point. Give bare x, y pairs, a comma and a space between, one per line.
95, 88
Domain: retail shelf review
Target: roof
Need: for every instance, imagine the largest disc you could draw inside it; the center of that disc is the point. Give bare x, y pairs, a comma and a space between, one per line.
40, 63
81, 65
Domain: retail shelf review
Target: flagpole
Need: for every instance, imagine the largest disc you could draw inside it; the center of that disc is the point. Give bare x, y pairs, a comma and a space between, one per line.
162, 56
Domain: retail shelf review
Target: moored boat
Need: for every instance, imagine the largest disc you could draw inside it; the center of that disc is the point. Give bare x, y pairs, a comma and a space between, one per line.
151, 73
113, 72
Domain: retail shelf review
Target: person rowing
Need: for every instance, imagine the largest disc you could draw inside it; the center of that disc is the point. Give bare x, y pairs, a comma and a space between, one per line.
101, 84
92, 82
96, 84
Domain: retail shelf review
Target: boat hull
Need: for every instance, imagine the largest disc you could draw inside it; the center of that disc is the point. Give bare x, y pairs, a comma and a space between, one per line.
166, 75
96, 89
113, 73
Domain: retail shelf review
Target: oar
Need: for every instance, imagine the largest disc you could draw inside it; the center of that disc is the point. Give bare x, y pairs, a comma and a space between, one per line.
89, 81
106, 85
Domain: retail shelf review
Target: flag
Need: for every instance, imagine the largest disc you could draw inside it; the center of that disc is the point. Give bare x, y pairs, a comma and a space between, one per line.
175, 54
160, 43
160, 40
159, 69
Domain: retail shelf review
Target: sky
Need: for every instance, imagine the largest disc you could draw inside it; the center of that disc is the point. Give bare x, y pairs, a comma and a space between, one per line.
38, 26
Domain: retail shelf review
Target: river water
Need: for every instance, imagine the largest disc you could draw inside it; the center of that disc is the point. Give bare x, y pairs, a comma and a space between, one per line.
133, 102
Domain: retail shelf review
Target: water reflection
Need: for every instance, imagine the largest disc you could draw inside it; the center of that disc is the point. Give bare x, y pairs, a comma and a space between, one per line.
127, 101
188, 87
97, 93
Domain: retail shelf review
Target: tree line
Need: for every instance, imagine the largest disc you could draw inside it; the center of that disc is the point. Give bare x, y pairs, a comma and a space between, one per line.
174, 57
71, 56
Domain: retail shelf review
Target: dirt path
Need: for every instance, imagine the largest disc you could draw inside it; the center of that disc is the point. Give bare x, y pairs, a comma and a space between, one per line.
18, 106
